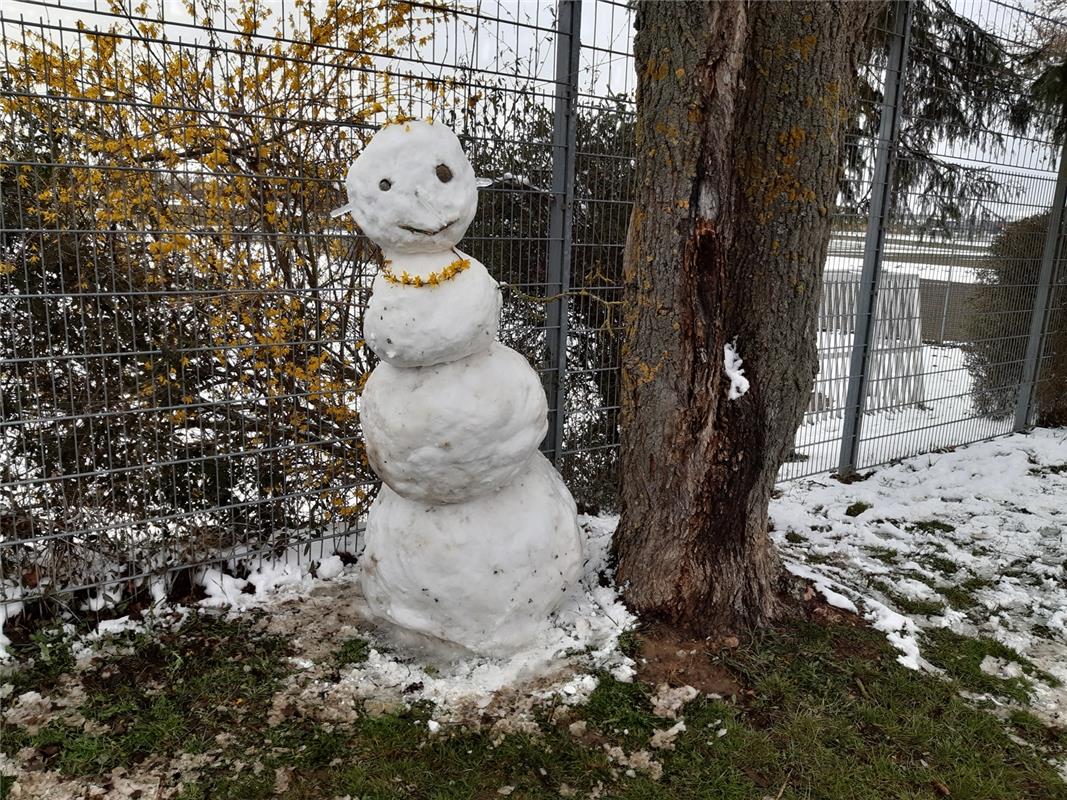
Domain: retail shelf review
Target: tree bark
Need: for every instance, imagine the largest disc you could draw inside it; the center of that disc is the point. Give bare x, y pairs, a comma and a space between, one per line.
741, 110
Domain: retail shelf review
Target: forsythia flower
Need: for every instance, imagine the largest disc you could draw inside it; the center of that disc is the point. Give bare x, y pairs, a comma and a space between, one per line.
433, 279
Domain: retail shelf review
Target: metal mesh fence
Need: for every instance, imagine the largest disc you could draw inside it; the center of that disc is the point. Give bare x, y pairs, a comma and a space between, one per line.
181, 354
1052, 368
943, 224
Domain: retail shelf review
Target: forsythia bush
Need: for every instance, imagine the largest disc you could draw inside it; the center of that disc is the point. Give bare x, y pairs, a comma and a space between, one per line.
183, 357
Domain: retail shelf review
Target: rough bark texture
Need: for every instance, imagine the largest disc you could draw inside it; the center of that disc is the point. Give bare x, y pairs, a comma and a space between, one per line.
741, 110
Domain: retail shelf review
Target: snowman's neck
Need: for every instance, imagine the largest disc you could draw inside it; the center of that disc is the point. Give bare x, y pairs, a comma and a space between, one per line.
420, 264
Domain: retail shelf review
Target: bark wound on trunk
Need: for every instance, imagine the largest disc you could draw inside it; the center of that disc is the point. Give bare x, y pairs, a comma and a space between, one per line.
740, 113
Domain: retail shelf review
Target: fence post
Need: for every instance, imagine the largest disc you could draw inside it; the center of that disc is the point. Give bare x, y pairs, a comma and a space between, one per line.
874, 242
1024, 400
561, 215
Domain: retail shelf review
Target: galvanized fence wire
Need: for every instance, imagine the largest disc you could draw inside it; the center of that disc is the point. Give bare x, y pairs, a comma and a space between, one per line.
946, 245
181, 354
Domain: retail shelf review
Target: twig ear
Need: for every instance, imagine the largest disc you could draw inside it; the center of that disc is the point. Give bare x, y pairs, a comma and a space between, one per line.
347, 208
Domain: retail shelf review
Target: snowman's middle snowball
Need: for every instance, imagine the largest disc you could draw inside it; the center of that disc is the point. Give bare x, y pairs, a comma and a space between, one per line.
451, 432
410, 326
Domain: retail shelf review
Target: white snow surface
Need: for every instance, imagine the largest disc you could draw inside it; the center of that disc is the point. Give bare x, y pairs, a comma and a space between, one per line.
945, 418
484, 574
417, 326
990, 519
451, 432
317, 614
1004, 501
10, 606
732, 364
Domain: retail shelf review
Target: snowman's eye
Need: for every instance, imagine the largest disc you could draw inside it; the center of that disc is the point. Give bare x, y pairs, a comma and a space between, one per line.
385, 184
444, 174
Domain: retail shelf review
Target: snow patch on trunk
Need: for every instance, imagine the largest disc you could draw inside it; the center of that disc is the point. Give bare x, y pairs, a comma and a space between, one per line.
732, 364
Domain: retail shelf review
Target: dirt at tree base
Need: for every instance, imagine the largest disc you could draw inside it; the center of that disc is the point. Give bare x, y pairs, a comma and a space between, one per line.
667, 657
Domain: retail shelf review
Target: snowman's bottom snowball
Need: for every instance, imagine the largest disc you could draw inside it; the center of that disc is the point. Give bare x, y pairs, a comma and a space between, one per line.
485, 574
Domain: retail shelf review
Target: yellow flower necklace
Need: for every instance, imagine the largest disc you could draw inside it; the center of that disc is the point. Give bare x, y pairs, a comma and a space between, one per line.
433, 279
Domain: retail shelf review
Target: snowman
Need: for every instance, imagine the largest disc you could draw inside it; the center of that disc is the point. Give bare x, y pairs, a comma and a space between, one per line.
473, 542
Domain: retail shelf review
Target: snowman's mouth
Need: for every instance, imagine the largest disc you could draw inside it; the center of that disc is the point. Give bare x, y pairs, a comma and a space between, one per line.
426, 232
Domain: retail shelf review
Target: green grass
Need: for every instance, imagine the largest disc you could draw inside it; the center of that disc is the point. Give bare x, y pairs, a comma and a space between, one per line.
886, 555
628, 644
1032, 729
826, 712
917, 607
909, 605
977, 582
47, 655
946, 566
857, 508
353, 651
962, 596
931, 526
1052, 469
958, 597
961, 657
820, 558
168, 695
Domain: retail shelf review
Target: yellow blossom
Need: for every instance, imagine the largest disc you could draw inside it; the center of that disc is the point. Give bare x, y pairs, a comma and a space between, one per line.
433, 279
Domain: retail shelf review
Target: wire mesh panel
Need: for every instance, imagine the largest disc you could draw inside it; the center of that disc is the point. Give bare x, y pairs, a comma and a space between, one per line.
181, 350
818, 439
969, 200
1051, 390
973, 167
604, 175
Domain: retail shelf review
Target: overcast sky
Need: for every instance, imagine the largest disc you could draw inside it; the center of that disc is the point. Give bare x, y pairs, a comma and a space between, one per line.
514, 40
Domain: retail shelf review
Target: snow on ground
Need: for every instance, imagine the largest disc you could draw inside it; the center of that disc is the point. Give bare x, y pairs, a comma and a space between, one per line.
317, 605
956, 260
981, 531
986, 523
582, 637
903, 262
12, 592
977, 537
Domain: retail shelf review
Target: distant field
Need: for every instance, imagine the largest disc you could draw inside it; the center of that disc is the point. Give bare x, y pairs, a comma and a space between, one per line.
959, 252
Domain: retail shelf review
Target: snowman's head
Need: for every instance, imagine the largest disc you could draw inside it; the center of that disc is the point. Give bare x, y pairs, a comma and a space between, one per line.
412, 189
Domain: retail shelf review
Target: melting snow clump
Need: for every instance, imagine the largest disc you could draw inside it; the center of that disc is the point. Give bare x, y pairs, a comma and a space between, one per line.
732, 364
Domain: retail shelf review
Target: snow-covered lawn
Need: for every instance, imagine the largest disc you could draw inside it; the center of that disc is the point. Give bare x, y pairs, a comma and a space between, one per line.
317, 605
973, 540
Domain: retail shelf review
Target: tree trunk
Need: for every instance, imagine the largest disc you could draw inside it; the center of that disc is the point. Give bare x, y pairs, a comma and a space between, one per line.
741, 109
